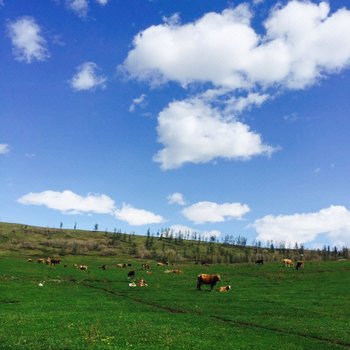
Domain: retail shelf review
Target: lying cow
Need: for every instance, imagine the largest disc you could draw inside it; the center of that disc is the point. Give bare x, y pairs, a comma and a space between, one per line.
299, 265
173, 271
83, 267
224, 289
204, 278
288, 262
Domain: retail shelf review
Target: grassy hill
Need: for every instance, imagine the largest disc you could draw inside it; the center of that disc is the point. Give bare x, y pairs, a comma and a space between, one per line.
34, 241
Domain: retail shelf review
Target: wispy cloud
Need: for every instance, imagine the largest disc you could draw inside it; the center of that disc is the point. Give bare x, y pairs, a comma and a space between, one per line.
87, 78
139, 101
28, 43
4, 148
203, 212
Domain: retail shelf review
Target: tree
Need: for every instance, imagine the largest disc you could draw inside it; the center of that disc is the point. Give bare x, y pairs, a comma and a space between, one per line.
96, 227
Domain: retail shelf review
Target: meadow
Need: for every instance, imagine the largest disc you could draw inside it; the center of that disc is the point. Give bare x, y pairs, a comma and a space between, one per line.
268, 307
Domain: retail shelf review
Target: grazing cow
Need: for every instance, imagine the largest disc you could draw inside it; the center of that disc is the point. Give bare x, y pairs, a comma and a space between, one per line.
204, 278
83, 267
224, 289
41, 261
288, 262
55, 261
131, 274
160, 264
259, 262
48, 261
299, 265
29, 260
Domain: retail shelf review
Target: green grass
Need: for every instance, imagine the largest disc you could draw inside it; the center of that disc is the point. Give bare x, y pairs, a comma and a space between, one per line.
269, 307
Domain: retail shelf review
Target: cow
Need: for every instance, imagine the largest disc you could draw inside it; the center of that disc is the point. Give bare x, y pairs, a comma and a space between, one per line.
288, 262
173, 271
204, 278
299, 265
145, 267
259, 262
29, 260
55, 261
160, 264
104, 267
142, 283
41, 261
149, 272
224, 289
120, 265
83, 267
131, 274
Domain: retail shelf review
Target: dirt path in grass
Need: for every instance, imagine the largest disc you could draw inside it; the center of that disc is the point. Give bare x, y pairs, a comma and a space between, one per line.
222, 319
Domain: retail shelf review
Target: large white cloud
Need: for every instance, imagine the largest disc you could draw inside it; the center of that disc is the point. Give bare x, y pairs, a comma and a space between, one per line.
333, 221
70, 202
28, 43
4, 148
301, 41
203, 212
87, 78
137, 217
192, 131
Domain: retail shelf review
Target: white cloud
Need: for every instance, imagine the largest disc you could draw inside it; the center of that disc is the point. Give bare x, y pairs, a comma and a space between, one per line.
203, 212
87, 78
176, 198
80, 7
333, 221
188, 230
138, 101
28, 43
302, 42
69, 202
4, 148
137, 217
192, 131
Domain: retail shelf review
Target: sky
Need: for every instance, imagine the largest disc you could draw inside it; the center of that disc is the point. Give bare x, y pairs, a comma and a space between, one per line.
216, 117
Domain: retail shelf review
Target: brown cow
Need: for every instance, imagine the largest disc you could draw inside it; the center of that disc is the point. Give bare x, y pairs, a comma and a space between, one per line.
288, 262
204, 278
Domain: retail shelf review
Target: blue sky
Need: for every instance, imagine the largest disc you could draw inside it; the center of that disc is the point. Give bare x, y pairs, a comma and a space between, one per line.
223, 118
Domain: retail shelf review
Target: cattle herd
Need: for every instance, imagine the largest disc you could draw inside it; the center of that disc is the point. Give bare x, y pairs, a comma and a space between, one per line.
202, 279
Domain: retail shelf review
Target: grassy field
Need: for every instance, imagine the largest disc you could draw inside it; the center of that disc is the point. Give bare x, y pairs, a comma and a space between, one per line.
269, 306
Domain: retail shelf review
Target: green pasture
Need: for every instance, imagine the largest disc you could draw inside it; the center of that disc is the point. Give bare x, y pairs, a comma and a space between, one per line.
268, 307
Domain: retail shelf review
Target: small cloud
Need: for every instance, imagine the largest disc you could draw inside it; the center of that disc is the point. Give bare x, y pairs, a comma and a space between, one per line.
203, 212
317, 170
28, 43
30, 155
176, 198
139, 101
102, 2
80, 7
137, 217
87, 78
291, 117
4, 148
